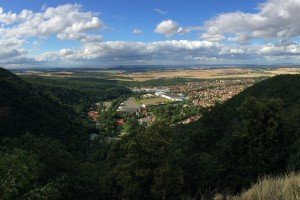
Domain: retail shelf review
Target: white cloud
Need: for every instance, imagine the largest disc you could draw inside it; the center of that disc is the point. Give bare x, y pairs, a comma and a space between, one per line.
169, 28
281, 49
11, 53
11, 42
137, 31
212, 37
65, 52
65, 21
7, 18
274, 19
159, 11
80, 37
137, 52
169, 52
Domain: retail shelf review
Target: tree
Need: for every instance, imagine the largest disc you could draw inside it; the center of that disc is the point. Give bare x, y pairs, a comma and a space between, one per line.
258, 145
19, 172
146, 169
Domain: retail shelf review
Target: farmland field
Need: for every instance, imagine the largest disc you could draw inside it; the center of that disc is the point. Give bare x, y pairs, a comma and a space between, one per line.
154, 101
209, 73
152, 74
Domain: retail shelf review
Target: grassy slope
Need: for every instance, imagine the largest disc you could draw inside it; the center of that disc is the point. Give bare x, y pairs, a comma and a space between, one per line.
285, 188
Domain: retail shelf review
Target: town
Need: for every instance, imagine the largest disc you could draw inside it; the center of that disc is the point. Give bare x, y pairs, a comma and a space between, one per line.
201, 93
178, 104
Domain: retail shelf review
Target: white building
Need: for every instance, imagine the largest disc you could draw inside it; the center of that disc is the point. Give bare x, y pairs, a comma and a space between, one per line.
173, 97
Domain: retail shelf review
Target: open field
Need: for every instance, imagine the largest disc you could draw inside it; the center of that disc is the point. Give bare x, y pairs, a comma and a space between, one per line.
210, 73
154, 101
138, 76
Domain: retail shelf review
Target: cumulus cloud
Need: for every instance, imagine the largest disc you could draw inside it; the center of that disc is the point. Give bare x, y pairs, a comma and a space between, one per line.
65, 21
274, 19
212, 37
83, 37
65, 52
169, 28
137, 31
7, 18
169, 52
283, 48
173, 52
120, 50
11, 42
11, 53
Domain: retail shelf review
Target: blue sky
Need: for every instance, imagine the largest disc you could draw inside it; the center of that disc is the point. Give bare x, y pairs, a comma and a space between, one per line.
122, 16
113, 32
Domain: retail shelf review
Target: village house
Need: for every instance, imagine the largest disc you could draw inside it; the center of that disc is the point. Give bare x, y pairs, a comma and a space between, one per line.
94, 115
129, 106
173, 96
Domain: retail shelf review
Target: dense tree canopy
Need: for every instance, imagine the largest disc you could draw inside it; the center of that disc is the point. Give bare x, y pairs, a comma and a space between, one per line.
45, 152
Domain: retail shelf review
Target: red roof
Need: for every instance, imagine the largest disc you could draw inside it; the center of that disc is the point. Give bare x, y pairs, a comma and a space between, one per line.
120, 122
94, 115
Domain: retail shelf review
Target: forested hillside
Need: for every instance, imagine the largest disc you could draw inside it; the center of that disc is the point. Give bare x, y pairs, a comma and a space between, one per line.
42, 143
44, 153
24, 108
255, 133
89, 89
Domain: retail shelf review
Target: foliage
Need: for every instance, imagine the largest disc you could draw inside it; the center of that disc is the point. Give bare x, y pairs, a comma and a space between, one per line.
19, 172
255, 133
94, 89
144, 168
29, 109
244, 138
174, 113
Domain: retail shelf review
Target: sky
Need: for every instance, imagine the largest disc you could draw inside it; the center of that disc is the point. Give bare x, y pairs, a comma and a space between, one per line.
90, 33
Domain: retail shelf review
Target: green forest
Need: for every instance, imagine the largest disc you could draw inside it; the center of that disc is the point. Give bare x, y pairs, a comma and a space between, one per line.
45, 151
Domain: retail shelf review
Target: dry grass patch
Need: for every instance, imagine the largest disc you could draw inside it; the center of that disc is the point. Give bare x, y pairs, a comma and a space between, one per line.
281, 188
